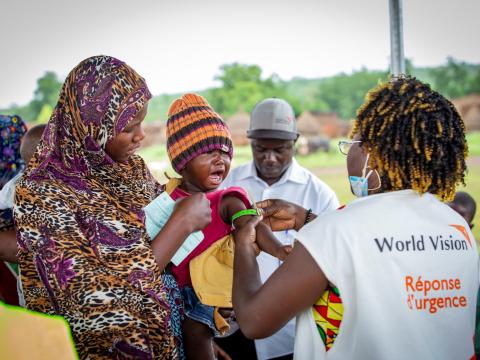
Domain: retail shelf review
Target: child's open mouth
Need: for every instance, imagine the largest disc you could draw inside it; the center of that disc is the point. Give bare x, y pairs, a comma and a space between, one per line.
216, 177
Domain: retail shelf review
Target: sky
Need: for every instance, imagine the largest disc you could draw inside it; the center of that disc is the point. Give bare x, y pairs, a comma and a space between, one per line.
179, 45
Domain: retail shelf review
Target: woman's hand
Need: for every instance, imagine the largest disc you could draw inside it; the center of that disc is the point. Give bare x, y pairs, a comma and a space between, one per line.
193, 211
282, 215
190, 214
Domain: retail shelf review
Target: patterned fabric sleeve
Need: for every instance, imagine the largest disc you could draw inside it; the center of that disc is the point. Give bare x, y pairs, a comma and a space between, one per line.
48, 261
328, 313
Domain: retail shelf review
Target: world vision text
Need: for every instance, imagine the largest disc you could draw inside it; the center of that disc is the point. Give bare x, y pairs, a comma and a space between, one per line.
421, 243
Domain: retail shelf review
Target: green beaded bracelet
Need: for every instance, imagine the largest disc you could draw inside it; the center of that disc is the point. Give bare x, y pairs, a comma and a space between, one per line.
251, 212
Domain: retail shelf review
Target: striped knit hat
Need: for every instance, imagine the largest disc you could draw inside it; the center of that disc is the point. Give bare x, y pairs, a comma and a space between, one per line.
194, 128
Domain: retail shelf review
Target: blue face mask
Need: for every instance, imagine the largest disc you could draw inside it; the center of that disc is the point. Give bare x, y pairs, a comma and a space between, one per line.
359, 184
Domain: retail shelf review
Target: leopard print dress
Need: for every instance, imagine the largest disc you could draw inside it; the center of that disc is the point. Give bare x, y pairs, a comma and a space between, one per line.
84, 251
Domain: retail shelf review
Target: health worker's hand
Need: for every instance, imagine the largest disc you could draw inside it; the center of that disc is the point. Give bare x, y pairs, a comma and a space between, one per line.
282, 215
246, 234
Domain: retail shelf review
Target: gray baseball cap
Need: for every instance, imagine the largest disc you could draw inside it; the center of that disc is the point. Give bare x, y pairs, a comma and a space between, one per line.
273, 119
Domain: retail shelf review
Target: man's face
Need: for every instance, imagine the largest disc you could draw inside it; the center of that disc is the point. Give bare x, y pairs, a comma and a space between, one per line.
272, 158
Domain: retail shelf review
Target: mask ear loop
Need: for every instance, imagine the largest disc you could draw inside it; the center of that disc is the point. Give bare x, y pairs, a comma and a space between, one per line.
379, 179
365, 166
370, 173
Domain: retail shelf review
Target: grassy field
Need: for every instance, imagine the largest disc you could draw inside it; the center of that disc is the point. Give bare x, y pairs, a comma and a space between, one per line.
330, 167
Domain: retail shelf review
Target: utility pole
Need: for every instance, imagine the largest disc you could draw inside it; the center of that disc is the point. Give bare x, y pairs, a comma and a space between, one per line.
397, 65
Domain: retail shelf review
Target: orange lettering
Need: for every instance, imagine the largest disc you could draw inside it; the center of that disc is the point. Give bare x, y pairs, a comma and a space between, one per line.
409, 282
440, 303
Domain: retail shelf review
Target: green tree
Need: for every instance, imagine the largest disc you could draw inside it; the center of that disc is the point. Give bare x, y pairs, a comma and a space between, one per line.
409, 68
44, 114
456, 78
345, 93
242, 86
235, 73
47, 92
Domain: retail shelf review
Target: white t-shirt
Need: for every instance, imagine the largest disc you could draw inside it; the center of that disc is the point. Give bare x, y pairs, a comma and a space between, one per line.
297, 185
7, 193
407, 269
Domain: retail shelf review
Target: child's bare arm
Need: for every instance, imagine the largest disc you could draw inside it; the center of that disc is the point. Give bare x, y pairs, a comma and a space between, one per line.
265, 239
267, 242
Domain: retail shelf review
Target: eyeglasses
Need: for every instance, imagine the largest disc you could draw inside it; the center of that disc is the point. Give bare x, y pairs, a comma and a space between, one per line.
345, 145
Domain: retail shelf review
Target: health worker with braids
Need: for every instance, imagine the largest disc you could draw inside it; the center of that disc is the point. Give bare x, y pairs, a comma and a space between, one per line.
403, 263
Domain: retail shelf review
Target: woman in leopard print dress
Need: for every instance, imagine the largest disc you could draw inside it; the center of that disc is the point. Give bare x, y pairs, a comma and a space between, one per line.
84, 252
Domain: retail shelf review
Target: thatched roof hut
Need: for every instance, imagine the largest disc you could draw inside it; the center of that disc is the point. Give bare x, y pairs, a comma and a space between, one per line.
316, 123
469, 109
239, 124
154, 134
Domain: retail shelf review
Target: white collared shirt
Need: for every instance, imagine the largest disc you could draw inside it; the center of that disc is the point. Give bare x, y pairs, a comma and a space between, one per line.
297, 185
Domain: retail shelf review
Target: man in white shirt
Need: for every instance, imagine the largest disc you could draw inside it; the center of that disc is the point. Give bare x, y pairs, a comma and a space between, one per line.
275, 174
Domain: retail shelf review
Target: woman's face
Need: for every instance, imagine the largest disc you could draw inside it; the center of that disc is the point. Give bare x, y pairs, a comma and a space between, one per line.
356, 158
126, 143
356, 162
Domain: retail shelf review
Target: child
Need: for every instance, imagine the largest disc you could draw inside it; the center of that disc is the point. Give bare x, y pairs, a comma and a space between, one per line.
465, 205
200, 150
